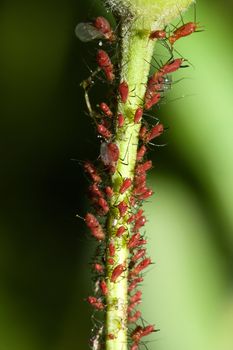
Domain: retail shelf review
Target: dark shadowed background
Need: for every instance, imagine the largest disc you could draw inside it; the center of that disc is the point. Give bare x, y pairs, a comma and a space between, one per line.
45, 250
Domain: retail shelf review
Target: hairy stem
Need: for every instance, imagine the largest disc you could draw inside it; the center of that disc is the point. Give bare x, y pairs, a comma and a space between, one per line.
137, 52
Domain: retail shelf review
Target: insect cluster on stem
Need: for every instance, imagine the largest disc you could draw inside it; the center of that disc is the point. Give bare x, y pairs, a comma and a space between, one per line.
117, 216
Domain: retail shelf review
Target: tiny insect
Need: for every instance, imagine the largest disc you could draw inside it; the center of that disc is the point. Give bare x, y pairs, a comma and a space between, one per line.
123, 91
98, 29
141, 266
134, 283
120, 120
141, 152
104, 288
120, 231
158, 34
109, 191
109, 153
90, 169
118, 270
133, 318
142, 168
94, 226
98, 267
184, 30
105, 109
111, 249
103, 131
96, 303
138, 115
136, 297
125, 185
123, 207
104, 62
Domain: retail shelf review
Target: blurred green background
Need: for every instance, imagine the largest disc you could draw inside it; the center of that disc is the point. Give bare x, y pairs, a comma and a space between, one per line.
44, 250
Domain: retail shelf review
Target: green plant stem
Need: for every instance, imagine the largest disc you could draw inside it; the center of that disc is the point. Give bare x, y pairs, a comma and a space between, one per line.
137, 51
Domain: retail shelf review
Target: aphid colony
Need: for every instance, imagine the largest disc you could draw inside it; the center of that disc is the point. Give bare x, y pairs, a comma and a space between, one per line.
129, 215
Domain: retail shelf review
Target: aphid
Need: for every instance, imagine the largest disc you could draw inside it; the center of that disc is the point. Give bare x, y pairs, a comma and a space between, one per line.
138, 255
141, 152
142, 132
99, 29
103, 131
140, 181
92, 172
134, 283
123, 91
142, 168
120, 120
95, 227
140, 332
136, 297
136, 241
184, 30
138, 115
104, 205
156, 131
96, 303
118, 270
158, 34
105, 109
141, 266
120, 231
109, 153
95, 341
111, 261
111, 249
133, 318
104, 62
134, 346
98, 267
171, 66
104, 288
111, 336
109, 191
152, 101
94, 191
123, 207
145, 195
133, 306
104, 27
125, 185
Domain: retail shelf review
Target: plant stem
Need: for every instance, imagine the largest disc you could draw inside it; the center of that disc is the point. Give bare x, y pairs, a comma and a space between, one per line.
137, 52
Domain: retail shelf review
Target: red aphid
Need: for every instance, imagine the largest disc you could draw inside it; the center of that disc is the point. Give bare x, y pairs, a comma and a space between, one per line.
120, 231
142, 168
123, 91
125, 185
123, 207
118, 270
134, 346
111, 261
96, 303
138, 255
139, 214
111, 249
145, 195
134, 283
103, 131
132, 306
104, 205
172, 66
109, 191
142, 132
94, 226
133, 318
148, 330
92, 172
104, 288
94, 191
140, 189
98, 267
138, 115
109, 153
156, 131
104, 27
141, 266
105, 109
131, 219
158, 34
139, 223
104, 62
184, 30
136, 297
111, 336
120, 120
149, 103
133, 241
140, 180
141, 152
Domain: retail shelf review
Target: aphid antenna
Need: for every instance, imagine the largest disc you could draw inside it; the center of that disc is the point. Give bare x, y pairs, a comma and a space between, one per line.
152, 116
169, 48
158, 145
182, 96
123, 159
